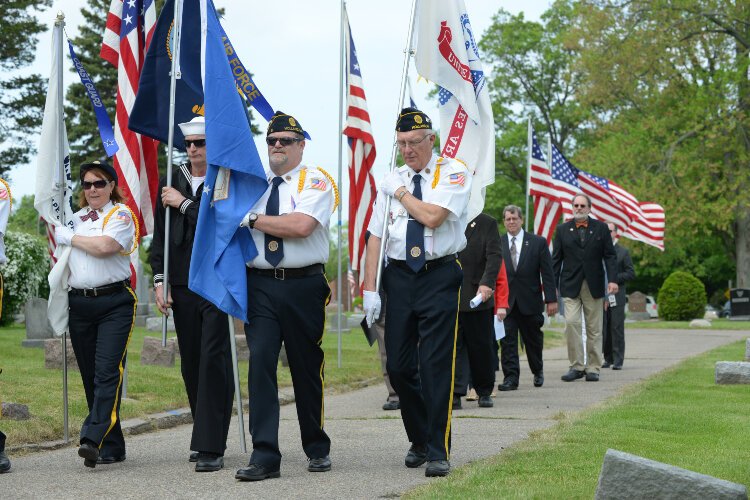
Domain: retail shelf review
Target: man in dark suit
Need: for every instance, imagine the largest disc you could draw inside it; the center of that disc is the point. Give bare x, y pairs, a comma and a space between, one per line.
480, 261
614, 316
579, 248
528, 266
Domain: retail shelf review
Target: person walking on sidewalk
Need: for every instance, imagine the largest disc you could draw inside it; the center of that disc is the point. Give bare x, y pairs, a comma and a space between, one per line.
532, 284
580, 246
614, 315
287, 294
426, 223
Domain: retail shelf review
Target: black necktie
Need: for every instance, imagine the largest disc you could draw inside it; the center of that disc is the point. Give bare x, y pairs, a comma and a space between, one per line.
274, 245
415, 257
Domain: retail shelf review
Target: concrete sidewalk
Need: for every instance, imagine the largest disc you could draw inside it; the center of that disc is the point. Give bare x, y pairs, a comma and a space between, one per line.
368, 444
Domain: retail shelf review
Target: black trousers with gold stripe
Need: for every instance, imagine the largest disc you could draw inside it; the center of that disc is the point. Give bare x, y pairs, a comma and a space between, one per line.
290, 311
100, 329
420, 343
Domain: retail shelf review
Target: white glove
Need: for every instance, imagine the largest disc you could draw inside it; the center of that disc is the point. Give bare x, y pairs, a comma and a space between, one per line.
63, 235
391, 182
371, 304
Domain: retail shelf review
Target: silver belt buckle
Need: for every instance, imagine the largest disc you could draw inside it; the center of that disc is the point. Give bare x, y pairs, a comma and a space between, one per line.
277, 275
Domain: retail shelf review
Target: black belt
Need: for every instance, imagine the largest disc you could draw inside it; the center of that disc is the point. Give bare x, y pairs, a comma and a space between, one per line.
430, 264
281, 273
101, 290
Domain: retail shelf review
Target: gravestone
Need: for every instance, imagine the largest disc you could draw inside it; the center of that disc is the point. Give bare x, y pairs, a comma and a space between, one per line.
144, 294
739, 303
53, 359
747, 350
700, 323
732, 372
243, 352
14, 411
154, 323
154, 354
38, 328
626, 476
637, 307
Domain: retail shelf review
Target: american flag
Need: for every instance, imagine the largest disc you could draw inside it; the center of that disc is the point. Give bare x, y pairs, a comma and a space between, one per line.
547, 209
130, 26
361, 157
609, 202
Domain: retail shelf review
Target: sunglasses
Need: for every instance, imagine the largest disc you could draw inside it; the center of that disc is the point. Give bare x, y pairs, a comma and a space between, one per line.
285, 141
580, 206
198, 143
100, 184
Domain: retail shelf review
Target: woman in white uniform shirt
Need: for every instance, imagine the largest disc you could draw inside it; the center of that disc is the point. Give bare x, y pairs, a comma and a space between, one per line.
102, 306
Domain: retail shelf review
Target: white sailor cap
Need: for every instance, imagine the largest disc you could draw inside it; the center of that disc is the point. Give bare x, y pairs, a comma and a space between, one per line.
196, 126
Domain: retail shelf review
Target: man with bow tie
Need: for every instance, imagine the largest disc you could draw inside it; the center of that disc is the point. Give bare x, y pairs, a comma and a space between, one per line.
580, 248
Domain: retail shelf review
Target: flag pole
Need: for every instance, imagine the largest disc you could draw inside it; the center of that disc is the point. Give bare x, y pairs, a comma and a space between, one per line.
60, 24
342, 89
237, 393
404, 72
172, 86
528, 173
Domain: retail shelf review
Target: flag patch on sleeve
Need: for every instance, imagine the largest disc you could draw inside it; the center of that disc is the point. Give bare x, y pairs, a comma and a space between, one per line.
457, 179
318, 183
123, 215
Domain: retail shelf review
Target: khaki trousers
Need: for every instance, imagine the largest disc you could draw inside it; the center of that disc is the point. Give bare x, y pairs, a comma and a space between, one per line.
593, 312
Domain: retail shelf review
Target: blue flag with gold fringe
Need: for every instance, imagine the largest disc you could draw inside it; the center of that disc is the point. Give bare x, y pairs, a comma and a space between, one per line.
235, 181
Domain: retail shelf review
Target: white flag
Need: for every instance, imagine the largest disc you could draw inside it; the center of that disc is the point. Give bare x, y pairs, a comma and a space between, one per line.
447, 55
54, 186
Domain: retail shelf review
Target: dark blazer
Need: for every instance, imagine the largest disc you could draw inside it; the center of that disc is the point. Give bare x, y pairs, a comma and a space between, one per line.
574, 261
533, 274
480, 260
625, 272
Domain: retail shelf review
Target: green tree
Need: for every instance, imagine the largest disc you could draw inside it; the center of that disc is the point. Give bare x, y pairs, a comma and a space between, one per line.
25, 218
668, 81
21, 96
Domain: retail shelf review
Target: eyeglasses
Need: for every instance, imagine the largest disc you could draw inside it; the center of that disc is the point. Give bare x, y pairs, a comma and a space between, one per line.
285, 141
580, 206
100, 184
411, 144
198, 143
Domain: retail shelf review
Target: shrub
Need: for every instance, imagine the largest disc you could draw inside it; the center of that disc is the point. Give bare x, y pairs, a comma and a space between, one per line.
25, 273
682, 297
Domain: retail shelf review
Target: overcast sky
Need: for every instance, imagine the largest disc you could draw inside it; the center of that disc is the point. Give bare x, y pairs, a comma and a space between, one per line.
293, 50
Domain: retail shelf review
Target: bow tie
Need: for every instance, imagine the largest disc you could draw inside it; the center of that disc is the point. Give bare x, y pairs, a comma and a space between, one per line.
91, 215
584, 223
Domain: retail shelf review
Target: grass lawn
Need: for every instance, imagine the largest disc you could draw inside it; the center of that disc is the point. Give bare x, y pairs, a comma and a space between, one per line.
680, 417
716, 324
151, 389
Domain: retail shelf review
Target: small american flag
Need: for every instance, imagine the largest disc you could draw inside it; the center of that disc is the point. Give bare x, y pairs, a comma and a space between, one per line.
318, 183
457, 179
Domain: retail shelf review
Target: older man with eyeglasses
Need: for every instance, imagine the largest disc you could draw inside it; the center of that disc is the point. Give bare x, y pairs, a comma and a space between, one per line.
580, 248
426, 222
202, 329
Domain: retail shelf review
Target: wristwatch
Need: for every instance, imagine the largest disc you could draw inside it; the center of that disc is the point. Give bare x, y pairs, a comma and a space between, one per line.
252, 218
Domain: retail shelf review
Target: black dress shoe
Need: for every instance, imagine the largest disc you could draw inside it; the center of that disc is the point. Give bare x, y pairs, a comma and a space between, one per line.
4, 462
416, 456
391, 405
592, 377
437, 468
89, 453
508, 385
109, 459
617, 367
322, 464
193, 456
456, 403
209, 462
606, 364
257, 472
573, 375
485, 402
539, 379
